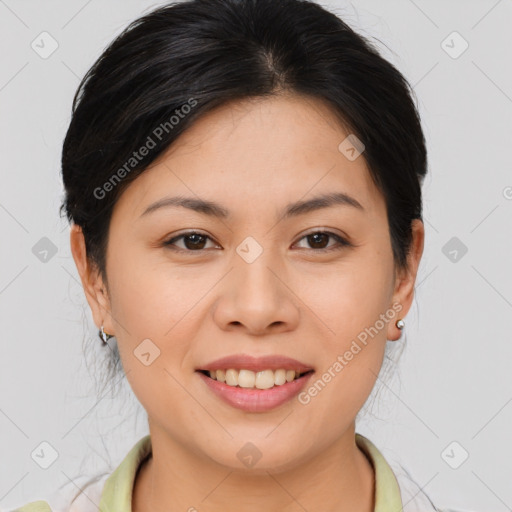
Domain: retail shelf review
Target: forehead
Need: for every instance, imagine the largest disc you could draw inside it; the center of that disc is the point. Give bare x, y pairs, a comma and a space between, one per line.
263, 152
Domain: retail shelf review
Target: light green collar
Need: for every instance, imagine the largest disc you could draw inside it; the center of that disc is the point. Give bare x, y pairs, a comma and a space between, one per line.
387, 490
118, 488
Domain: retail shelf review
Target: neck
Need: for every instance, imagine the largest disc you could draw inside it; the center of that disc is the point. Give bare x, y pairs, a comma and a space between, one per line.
340, 479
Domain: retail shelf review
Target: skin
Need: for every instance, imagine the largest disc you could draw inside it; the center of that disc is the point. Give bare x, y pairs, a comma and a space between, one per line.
253, 157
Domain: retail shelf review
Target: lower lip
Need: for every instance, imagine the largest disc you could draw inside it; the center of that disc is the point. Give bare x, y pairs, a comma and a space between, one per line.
256, 400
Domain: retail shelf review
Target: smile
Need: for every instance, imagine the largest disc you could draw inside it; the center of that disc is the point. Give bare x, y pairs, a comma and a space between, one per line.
249, 379
255, 384
253, 399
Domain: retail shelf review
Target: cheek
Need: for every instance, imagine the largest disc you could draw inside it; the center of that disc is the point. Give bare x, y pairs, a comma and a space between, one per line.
147, 298
349, 299
154, 308
159, 302
351, 362
353, 304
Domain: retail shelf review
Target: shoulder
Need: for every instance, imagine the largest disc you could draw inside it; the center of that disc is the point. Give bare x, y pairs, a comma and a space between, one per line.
34, 506
414, 497
79, 496
68, 499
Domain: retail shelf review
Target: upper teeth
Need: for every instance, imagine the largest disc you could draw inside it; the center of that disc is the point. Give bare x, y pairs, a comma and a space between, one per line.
248, 379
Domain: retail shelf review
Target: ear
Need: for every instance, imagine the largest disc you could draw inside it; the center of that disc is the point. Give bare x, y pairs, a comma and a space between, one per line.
404, 284
92, 282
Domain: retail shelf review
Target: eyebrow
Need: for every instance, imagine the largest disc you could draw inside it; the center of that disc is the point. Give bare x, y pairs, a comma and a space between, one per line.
291, 210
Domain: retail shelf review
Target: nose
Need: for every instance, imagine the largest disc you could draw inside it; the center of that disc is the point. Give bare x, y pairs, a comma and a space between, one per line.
256, 298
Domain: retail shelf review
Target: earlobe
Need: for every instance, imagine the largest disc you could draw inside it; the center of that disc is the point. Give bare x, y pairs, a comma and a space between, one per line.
91, 279
398, 326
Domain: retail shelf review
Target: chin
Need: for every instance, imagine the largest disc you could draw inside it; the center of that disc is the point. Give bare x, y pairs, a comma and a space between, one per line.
258, 457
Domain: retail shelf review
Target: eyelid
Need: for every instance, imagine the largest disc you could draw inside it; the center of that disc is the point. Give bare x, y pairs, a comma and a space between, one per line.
169, 241
324, 230
341, 239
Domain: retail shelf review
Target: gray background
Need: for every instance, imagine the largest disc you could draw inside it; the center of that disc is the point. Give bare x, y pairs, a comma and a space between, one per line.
453, 382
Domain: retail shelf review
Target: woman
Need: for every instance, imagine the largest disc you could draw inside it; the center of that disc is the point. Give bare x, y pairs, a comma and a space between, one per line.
243, 179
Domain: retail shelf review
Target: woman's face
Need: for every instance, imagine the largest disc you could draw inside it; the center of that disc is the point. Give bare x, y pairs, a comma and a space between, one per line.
256, 282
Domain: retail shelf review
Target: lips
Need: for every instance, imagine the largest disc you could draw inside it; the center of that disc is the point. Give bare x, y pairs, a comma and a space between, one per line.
256, 364
242, 392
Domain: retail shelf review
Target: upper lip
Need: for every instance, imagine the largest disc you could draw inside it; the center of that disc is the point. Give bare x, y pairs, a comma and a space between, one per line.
256, 364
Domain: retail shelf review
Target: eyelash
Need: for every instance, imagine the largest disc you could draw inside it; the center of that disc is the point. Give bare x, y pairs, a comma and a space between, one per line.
341, 241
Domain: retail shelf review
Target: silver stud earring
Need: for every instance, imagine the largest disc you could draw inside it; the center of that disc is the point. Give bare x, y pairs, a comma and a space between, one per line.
400, 324
104, 336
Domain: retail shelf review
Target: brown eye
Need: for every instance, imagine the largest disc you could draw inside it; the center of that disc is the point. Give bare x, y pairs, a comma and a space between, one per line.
193, 241
319, 240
